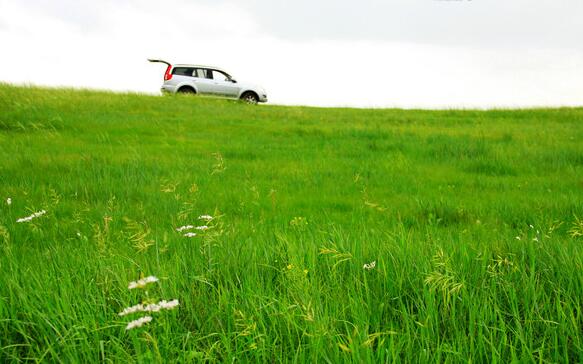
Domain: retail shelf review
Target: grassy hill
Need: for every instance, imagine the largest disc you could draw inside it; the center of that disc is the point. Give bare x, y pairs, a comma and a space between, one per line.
474, 220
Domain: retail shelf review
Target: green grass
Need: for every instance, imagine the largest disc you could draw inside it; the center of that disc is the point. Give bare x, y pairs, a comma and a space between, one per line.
474, 219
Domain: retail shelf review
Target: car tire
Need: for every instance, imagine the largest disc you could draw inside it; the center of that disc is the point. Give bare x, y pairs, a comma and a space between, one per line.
186, 90
250, 98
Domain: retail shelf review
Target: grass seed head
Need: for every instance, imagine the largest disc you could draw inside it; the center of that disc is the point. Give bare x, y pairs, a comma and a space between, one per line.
576, 230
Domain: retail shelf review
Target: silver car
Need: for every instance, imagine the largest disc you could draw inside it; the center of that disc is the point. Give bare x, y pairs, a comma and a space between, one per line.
206, 80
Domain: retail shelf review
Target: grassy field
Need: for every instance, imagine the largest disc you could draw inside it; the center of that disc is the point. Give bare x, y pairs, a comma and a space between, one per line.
473, 219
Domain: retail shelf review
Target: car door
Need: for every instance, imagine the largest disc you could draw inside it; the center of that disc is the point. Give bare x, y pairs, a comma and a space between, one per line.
203, 81
224, 85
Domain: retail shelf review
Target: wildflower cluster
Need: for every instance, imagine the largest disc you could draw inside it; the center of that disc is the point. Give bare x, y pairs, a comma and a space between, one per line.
33, 216
185, 227
152, 307
141, 283
146, 307
139, 322
189, 234
206, 218
370, 266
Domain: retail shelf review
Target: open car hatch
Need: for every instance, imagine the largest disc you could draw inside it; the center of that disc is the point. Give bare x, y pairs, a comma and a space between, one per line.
159, 61
167, 74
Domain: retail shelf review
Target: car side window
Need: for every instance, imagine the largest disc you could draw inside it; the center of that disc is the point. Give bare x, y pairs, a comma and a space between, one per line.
220, 76
207, 74
199, 73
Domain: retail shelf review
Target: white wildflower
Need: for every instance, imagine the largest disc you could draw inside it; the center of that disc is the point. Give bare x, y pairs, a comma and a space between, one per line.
29, 218
370, 265
139, 322
9, 201
142, 282
132, 309
152, 307
518, 238
532, 227
168, 305
190, 235
185, 227
202, 228
205, 217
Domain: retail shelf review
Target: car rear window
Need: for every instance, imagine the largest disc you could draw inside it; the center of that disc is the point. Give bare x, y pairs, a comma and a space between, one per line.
182, 71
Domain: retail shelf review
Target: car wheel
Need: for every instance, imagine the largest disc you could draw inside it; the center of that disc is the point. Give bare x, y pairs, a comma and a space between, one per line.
250, 98
186, 91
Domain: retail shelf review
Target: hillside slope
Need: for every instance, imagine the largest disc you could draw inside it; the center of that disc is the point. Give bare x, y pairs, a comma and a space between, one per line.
474, 220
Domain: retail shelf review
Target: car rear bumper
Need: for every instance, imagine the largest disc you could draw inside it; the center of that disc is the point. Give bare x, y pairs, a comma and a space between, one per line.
168, 89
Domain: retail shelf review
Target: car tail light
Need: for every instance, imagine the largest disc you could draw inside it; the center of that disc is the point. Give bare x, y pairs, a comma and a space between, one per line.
168, 75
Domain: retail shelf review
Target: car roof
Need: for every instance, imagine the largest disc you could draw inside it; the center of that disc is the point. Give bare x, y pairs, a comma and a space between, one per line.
199, 66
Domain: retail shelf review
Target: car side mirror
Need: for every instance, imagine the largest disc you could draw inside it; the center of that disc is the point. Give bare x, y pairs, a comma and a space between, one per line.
233, 80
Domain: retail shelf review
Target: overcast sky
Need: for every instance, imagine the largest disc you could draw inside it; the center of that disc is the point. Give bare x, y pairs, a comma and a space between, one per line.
406, 53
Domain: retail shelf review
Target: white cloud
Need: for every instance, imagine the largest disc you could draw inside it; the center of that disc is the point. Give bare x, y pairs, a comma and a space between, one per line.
481, 23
